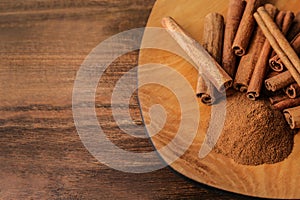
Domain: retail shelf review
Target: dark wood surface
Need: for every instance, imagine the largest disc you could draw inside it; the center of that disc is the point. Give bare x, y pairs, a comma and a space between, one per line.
42, 45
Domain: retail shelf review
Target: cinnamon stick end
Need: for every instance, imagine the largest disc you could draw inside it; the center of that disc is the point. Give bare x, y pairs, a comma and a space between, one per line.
269, 86
240, 87
238, 51
228, 85
207, 100
276, 66
289, 119
261, 9
291, 93
252, 96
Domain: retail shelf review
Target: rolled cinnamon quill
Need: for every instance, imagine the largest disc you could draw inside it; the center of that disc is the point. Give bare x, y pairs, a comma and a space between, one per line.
293, 91
279, 42
248, 62
288, 103
292, 116
284, 20
234, 15
276, 64
246, 28
207, 66
261, 67
213, 35
279, 18
201, 87
206, 91
295, 28
287, 22
278, 98
279, 21
279, 81
272, 74
213, 43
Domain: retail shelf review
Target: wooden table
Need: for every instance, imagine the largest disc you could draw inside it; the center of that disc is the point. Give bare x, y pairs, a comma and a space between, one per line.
42, 45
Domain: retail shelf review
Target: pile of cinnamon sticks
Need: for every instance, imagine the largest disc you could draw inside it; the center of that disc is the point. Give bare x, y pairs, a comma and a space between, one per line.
256, 52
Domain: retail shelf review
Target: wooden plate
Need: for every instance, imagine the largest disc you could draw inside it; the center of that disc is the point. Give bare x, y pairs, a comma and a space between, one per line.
172, 88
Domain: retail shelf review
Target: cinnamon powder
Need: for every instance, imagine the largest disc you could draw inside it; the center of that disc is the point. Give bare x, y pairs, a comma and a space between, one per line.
254, 133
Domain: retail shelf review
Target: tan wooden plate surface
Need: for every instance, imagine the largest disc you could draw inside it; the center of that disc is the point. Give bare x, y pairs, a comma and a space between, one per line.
172, 89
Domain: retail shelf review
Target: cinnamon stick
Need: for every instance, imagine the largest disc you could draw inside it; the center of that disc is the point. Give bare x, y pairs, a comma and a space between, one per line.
201, 86
213, 35
276, 64
295, 29
279, 21
248, 62
207, 93
279, 18
261, 66
207, 66
292, 116
234, 15
272, 74
293, 91
287, 22
279, 43
284, 20
213, 43
278, 98
279, 81
288, 103
246, 28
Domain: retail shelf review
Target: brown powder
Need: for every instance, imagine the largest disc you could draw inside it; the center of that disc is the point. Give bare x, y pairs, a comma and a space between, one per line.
254, 133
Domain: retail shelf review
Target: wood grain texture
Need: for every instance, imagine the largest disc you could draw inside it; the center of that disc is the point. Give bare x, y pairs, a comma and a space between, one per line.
279, 180
42, 45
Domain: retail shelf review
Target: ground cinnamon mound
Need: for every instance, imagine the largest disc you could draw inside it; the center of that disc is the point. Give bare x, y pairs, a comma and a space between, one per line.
254, 133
